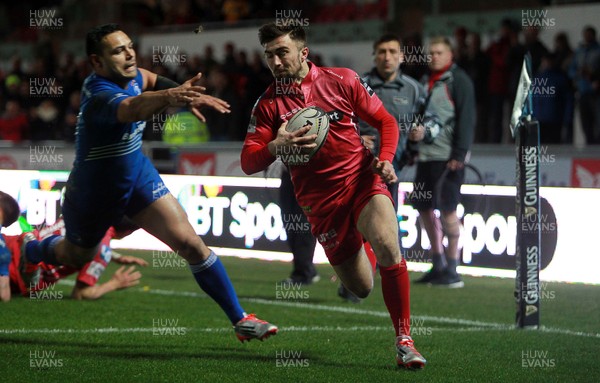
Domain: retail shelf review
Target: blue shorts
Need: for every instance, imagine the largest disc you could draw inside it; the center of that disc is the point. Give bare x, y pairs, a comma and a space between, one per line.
91, 207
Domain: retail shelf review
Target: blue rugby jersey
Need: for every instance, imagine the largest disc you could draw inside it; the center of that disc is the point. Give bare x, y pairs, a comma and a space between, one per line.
105, 147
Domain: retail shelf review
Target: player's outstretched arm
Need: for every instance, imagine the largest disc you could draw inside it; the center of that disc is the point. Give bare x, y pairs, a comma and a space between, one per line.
152, 81
121, 279
142, 107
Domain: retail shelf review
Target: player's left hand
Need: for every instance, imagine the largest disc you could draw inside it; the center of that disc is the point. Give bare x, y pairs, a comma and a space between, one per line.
455, 165
126, 277
215, 103
385, 170
129, 260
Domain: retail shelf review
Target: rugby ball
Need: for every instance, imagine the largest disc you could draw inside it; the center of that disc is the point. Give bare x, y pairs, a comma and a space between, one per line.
317, 119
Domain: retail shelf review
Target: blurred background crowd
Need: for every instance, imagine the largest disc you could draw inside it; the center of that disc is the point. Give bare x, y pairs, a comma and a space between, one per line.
39, 96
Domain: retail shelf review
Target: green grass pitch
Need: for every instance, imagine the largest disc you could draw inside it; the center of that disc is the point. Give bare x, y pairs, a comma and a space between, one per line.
167, 330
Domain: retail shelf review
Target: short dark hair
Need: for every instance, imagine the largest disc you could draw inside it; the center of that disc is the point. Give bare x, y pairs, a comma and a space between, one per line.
95, 35
273, 30
386, 38
10, 209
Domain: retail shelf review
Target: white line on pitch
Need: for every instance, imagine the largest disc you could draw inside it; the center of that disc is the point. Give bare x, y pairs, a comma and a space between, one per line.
348, 310
351, 310
112, 330
116, 330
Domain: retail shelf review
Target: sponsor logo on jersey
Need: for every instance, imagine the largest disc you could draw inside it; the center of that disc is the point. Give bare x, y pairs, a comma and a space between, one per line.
335, 115
366, 86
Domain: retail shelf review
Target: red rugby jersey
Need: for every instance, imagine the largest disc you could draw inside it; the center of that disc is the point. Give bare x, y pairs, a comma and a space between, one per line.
340, 161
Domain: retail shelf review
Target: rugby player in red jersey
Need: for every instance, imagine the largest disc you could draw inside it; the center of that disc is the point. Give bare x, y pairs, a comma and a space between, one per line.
86, 284
342, 188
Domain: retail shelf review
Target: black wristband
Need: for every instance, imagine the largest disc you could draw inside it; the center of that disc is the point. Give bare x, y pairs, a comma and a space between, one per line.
163, 83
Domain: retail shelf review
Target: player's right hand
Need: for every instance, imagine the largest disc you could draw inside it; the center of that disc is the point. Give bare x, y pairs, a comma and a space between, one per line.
295, 139
126, 277
385, 170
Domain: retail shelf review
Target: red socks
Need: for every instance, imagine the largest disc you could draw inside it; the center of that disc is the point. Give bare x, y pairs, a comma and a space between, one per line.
396, 294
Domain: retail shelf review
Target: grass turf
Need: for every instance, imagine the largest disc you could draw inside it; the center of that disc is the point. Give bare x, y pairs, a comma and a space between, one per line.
465, 334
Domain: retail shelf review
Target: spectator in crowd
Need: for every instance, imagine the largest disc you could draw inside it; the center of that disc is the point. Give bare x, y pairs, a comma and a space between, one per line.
181, 127
67, 73
44, 121
178, 12
206, 10
235, 10
224, 127
13, 123
229, 61
70, 120
461, 48
535, 47
259, 79
585, 71
209, 61
564, 56
415, 64
498, 80
563, 51
553, 100
477, 66
12, 85
17, 67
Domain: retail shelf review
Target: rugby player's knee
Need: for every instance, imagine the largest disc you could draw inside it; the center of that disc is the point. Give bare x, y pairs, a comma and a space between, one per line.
387, 250
187, 248
361, 290
360, 286
450, 225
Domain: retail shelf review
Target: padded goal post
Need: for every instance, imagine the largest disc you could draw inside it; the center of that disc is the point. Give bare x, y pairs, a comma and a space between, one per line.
526, 131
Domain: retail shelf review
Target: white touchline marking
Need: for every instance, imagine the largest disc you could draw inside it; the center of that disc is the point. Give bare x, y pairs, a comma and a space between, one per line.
475, 325
116, 330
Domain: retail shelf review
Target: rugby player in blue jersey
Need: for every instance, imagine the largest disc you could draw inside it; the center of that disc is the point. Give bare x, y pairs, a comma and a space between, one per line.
112, 178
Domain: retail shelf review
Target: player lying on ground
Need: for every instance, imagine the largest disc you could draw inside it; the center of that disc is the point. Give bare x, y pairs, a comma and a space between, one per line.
342, 188
86, 286
112, 178
32, 281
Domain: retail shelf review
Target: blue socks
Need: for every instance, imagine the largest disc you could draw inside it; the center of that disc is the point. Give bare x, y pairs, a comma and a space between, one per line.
214, 281
38, 251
